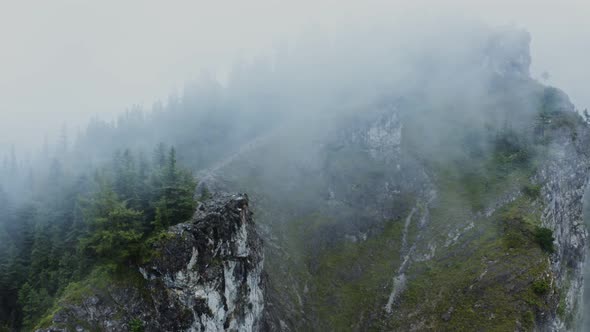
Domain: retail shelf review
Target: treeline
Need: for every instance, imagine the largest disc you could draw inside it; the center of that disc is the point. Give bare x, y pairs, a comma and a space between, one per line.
203, 124
80, 200
75, 223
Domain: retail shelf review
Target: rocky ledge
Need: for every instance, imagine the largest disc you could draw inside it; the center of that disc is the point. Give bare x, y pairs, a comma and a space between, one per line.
203, 275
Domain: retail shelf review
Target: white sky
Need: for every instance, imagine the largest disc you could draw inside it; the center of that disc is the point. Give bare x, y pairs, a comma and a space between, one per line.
71, 59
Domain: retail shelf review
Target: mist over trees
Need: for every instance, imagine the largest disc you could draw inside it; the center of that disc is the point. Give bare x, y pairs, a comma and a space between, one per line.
70, 222
94, 198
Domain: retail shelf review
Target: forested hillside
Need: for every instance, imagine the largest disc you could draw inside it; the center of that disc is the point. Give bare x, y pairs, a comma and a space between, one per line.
396, 186
74, 222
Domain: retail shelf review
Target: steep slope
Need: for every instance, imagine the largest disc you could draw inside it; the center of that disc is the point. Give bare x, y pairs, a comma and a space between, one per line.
430, 210
565, 177
204, 275
450, 202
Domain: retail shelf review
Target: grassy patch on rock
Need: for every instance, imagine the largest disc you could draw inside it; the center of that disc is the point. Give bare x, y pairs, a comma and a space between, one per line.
492, 278
352, 278
100, 282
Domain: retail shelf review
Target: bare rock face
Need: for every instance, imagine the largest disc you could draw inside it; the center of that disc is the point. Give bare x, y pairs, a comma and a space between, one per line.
205, 275
566, 176
212, 267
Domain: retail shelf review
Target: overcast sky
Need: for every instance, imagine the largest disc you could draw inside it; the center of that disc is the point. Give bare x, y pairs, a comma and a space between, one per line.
66, 60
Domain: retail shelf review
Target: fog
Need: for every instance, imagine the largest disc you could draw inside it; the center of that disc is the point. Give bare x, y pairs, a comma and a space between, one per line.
65, 61
302, 105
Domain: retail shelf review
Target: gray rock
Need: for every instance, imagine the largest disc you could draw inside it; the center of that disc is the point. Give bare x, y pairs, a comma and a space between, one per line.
206, 275
447, 315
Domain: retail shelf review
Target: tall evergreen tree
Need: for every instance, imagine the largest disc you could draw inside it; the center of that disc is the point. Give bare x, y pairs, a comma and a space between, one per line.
176, 203
114, 229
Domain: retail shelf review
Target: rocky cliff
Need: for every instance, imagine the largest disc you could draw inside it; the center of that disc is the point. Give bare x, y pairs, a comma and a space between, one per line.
565, 178
429, 213
455, 205
203, 275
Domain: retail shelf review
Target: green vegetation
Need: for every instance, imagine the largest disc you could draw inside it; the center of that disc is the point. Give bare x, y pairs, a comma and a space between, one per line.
82, 228
495, 269
541, 287
99, 223
544, 237
486, 274
100, 281
136, 325
348, 273
531, 190
115, 230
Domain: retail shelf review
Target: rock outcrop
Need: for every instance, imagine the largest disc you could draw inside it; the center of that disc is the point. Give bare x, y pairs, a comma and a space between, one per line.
204, 275
565, 177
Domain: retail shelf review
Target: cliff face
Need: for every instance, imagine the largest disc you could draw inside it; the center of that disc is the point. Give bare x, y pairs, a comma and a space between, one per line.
412, 214
204, 275
428, 222
565, 178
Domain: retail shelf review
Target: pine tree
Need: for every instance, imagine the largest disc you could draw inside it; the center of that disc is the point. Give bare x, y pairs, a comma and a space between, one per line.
34, 303
160, 156
126, 177
40, 264
74, 224
176, 203
114, 230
